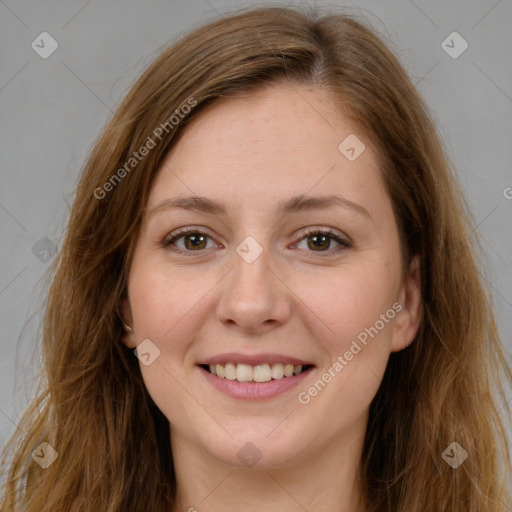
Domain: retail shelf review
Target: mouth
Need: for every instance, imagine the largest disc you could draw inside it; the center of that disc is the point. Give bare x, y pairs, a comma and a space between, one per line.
254, 377
259, 373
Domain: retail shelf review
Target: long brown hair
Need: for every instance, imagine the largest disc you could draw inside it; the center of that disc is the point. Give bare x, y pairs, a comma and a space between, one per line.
113, 444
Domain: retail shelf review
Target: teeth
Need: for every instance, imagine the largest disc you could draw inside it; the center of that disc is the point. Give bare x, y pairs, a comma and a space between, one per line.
262, 373
259, 373
229, 371
243, 372
220, 371
277, 371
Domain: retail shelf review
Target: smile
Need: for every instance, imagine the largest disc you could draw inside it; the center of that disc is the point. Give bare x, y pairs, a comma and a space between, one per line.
257, 373
254, 377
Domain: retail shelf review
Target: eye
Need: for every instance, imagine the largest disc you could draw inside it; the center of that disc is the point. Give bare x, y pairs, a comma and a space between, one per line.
189, 240
320, 240
194, 240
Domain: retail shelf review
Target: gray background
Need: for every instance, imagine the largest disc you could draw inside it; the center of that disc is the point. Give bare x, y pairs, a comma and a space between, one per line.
53, 109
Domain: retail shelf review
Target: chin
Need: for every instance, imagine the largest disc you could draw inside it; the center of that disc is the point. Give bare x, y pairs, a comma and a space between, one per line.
254, 448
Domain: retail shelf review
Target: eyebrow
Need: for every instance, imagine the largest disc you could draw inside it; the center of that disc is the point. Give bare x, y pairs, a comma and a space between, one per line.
295, 204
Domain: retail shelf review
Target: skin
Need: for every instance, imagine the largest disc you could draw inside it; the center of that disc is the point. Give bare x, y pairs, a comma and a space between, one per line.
249, 153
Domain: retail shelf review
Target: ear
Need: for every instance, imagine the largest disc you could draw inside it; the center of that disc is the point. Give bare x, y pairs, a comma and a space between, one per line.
408, 318
128, 336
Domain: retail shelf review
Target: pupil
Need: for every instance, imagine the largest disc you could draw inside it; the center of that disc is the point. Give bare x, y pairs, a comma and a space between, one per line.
195, 240
318, 240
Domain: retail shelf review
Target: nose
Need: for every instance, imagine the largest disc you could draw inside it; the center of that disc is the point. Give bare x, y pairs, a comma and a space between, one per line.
254, 298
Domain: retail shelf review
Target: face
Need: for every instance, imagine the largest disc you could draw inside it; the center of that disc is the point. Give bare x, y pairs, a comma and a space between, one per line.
257, 280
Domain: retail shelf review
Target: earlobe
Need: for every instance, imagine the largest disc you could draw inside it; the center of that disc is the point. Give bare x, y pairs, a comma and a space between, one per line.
409, 318
128, 338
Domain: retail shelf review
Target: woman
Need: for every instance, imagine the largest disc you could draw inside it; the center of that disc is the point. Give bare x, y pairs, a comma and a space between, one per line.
267, 297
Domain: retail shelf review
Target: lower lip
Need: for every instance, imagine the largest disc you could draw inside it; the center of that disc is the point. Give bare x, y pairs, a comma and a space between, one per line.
254, 390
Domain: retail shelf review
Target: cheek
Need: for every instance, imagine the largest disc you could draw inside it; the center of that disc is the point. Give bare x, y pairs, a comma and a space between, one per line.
166, 308
353, 322
166, 304
347, 302
341, 392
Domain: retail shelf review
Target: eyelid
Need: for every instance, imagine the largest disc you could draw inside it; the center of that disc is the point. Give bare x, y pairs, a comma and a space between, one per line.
187, 229
312, 230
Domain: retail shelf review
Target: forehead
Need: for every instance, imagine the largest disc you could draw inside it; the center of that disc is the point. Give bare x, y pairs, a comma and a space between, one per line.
280, 141
283, 121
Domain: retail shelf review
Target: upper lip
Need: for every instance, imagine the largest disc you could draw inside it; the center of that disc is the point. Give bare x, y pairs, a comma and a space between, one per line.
253, 359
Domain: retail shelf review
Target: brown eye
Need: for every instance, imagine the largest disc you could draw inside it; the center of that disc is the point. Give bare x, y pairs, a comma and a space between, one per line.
189, 241
321, 241
195, 241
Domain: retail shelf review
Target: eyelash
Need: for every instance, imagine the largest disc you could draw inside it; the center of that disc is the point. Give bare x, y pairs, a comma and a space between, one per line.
305, 233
